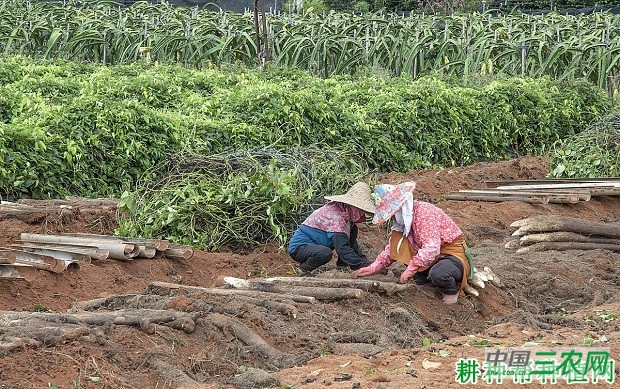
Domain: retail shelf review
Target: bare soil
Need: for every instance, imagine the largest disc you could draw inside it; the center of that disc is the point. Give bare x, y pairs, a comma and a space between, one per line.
376, 342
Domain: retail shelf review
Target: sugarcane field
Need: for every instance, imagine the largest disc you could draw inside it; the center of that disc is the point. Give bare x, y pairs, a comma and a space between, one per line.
309, 193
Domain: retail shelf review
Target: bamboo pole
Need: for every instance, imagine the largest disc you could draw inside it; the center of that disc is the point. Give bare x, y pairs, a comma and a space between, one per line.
158, 244
92, 252
584, 194
58, 254
592, 191
42, 262
496, 183
120, 251
564, 200
7, 256
147, 252
534, 192
18, 272
554, 197
561, 186
175, 251
538, 199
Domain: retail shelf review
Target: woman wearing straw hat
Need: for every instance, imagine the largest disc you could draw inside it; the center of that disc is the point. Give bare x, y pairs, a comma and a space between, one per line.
332, 227
424, 238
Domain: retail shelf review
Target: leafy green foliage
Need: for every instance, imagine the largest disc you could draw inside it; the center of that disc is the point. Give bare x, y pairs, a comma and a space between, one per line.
92, 130
594, 152
237, 199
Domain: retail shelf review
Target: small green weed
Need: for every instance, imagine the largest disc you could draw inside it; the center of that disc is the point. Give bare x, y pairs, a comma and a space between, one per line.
40, 308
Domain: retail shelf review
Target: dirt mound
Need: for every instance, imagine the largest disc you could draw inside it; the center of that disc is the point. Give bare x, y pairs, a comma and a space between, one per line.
378, 341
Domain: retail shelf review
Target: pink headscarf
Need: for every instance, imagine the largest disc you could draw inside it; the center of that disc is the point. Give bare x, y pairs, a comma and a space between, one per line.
335, 217
392, 199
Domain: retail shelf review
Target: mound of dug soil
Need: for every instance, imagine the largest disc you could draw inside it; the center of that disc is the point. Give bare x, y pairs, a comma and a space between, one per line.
118, 325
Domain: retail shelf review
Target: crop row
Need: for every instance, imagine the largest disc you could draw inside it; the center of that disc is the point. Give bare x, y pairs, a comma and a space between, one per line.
69, 128
416, 45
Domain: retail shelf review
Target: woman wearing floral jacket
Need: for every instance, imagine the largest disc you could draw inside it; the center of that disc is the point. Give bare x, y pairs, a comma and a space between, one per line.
424, 238
332, 227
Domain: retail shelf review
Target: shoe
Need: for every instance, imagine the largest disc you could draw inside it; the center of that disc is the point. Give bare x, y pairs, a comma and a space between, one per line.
304, 273
424, 284
422, 280
341, 265
450, 298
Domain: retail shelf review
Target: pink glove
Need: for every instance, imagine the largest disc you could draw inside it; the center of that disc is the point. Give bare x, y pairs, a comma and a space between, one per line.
374, 268
408, 273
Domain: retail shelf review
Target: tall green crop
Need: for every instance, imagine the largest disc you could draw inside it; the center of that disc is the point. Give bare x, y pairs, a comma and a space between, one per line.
417, 45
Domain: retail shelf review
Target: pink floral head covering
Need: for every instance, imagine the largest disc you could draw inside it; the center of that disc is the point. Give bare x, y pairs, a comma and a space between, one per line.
390, 198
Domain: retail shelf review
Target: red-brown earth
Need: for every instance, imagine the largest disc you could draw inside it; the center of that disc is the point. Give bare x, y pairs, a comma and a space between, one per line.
377, 342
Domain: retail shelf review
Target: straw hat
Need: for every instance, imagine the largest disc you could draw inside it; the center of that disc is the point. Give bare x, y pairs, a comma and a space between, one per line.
358, 196
391, 199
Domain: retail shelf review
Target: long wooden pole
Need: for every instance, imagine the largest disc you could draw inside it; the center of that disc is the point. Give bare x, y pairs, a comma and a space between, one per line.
264, 25
572, 196
538, 199
257, 31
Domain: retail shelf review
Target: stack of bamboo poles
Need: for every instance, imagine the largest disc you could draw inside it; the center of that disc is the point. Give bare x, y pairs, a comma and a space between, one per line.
57, 253
559, 191
541, 233
10, 269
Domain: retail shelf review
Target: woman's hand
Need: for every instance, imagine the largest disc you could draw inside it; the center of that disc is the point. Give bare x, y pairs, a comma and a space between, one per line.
407, 274
374, 268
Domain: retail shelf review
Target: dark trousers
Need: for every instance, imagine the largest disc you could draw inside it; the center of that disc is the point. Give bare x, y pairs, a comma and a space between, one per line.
310, 256
356, 248
446, 274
